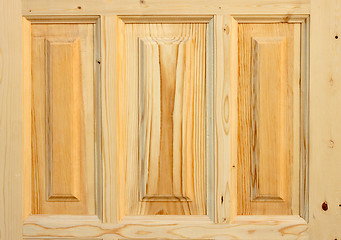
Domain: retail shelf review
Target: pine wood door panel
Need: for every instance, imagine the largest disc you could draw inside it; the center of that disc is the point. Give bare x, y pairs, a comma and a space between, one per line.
194, 121
163, 65
268, 79
62, 125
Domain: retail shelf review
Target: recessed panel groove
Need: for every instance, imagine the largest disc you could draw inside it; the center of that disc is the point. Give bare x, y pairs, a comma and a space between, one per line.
63, 119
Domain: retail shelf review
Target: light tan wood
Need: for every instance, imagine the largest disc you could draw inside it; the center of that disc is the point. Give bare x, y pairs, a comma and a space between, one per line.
265, 118
27, 165
156, 7
109, 103
324, 125
171, 112
177, 227
222, 119
270, 141
64, 118
224, 98
305, 120
62, 125
11, 120
321, 132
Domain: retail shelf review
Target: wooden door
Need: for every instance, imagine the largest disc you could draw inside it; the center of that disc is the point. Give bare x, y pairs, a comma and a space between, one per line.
169, 120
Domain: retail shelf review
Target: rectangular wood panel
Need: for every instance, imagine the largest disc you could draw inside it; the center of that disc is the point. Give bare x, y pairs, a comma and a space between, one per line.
267, 72
63, 120
62, 125
269, 140
163, 73
162, 68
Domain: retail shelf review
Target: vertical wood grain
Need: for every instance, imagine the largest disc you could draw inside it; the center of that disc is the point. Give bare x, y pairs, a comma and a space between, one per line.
210, 118
109, 116
181, 129
27, 165
304, 121
222, 118
11, 120
324, 123
182, 121
163, 72
265, 130
64, 120
268, 130
62, 124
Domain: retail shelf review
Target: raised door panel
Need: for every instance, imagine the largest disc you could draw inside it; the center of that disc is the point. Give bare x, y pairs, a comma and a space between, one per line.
62, 119
267, 114
162, 118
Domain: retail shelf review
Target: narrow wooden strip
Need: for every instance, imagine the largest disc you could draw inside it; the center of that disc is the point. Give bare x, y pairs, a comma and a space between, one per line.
261, 227
62, 18
12, 118
210, 118
81, 7
270, 18
304, 118
98, 120
27, 166
222, 119
109, 118
166, 18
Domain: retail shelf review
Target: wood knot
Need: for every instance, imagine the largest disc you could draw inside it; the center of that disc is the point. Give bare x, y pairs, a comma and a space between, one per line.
324, 206
331, 81
79, 7
331, 144
226, 29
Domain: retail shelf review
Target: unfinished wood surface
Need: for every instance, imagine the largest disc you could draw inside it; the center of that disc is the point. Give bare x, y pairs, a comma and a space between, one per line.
325, 117
176, 227
162, 76
109, 108
62, 124
265, 118
11, 120
156, 7
167, 127
269, 139
222, 119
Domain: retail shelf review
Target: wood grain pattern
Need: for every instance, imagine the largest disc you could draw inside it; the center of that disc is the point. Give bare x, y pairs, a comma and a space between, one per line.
155, 7
109, 106
268, 134
62, 104
176, 227
170, 132
64, 120
165, 79
223, 116
265, 130
11, 120
305, 120
324, 122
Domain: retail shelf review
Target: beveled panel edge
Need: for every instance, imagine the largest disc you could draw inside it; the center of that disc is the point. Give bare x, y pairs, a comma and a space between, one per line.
271, 18
62, 18
304, 20
27, 22
165, 18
